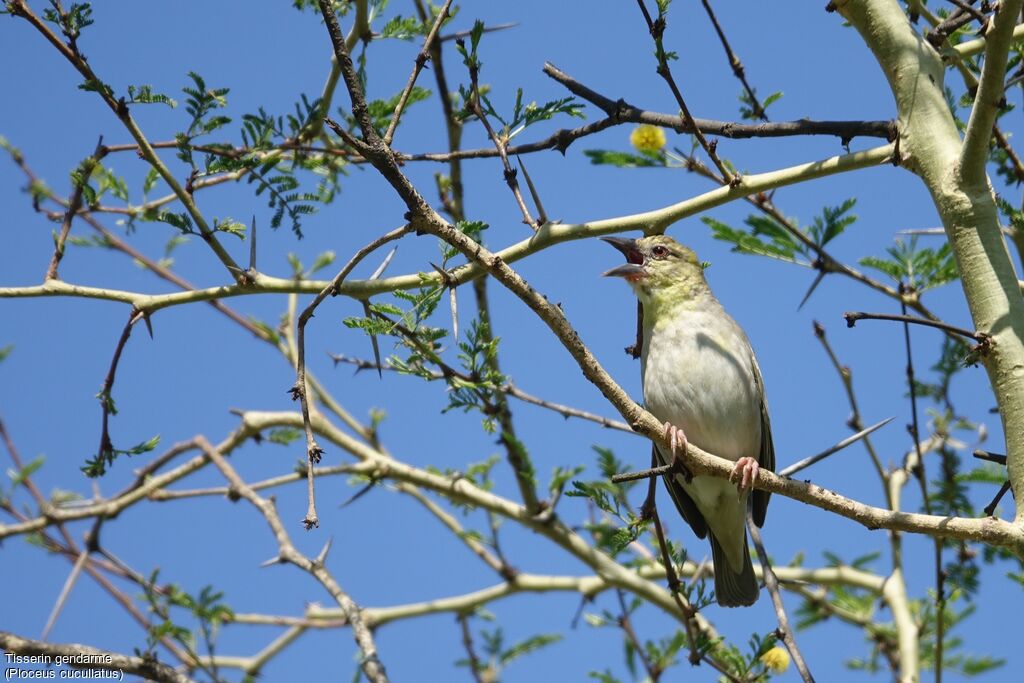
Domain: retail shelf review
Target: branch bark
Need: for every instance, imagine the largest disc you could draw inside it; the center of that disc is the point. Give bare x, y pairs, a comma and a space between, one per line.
950, 169
90, 658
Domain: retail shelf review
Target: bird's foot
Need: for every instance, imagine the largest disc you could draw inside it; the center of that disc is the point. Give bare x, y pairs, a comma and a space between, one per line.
678, 446
744, 474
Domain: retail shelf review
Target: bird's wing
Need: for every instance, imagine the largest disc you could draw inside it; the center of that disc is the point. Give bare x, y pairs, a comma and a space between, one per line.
766, 456
687, 508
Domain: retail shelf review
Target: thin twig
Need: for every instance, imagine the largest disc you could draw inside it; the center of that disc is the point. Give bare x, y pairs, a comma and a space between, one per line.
807, 462
626, 624
958, 18
997, 458
300, 389
369, 661
990, 509
473, 661
499, 143
84, 170
657, 31
105, 455
855, 421
565, 411
65, 591
487, 29
771, 582
853, 316
919, 474
542, 216
421, 59
735, 63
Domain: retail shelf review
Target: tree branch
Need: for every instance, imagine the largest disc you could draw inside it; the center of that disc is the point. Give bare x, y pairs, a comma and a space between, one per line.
369, 661
621, 111
989, 100
90, 658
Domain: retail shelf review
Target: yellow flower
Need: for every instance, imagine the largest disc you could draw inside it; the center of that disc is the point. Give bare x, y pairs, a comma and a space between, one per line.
776, 659
647, 138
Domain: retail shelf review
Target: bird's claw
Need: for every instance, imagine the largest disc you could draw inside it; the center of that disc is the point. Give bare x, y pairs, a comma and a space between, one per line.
678, 446
744, 474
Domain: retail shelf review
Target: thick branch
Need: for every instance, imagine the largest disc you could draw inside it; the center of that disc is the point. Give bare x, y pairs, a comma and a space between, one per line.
989, 100
90, 658
955, 178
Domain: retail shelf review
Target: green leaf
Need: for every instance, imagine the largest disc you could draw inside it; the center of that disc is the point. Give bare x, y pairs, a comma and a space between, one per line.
284, 435
5, 351
94, 85
143, 94
200, 102
780, 246
381, 111
472, 229
19, 477
601, 157
404, 28
181, 221
232, 227
70, 21
560, 477
152, 176
321, 261
108, 182
832, 222
921, 269
525, 647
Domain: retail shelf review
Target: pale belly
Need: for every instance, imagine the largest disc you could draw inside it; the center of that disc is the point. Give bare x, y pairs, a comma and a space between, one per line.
692, 379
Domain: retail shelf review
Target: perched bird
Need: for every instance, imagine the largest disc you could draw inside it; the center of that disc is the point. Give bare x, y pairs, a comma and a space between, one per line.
701, 379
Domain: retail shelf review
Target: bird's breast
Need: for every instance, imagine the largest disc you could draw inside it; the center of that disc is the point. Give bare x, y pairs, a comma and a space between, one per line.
698, 375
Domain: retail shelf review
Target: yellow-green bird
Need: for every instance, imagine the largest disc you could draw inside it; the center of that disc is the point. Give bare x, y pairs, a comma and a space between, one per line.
701, 379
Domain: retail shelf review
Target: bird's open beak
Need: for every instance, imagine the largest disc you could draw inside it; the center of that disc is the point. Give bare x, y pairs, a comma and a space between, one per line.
634, 266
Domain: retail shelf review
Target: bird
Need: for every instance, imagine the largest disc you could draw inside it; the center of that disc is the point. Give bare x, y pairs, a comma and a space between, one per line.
701, 379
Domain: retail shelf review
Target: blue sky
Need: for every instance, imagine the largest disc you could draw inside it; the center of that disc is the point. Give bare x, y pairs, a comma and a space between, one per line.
386, 552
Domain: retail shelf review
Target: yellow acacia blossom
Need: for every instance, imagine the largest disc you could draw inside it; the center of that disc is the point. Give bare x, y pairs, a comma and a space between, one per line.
776, 659
647, 138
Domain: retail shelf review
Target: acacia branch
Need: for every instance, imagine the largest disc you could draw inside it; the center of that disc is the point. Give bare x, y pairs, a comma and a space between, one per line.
989, 100
301, 388
657, 31
853, 316
86, 657
120, 108
369, 661
550, 234
953, 170
771, 582
994, 532
85, 169
421, 59
735, 63
969, 48
620, 111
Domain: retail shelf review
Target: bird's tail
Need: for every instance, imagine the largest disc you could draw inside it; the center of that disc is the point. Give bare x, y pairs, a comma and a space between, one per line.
733, 589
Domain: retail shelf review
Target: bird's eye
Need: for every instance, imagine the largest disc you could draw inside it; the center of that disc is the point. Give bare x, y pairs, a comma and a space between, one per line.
659, 251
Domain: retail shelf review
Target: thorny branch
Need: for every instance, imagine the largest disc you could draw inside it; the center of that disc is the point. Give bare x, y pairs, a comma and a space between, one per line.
301, 388
370, 662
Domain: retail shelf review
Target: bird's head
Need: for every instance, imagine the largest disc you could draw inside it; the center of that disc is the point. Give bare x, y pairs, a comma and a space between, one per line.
659, 269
